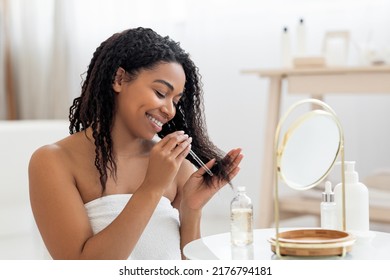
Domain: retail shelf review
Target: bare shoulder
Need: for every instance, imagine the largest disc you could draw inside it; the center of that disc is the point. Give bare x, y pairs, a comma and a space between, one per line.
60, 154
53, 166
47, 158
47, 152
185, 171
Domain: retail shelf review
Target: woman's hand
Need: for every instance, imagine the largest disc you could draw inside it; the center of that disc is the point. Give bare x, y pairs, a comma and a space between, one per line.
166, 158
196, 193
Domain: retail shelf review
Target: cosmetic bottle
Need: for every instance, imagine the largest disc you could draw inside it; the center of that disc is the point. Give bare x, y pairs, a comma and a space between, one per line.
286, 49
241, 218
356, 202
301, 38
328, 208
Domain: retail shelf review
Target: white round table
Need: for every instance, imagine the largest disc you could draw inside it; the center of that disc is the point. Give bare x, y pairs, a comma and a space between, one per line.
214, 247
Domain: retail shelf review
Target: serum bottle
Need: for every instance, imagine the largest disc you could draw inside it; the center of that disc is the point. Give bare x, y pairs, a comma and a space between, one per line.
328, 208
241, 218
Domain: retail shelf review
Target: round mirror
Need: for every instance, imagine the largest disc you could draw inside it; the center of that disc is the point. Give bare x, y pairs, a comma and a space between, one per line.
308, 149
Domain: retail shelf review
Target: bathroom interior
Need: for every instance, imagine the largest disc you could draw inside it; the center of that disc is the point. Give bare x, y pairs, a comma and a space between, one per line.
46, 45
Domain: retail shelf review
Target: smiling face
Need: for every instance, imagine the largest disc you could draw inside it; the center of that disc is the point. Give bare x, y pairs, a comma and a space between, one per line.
147, 102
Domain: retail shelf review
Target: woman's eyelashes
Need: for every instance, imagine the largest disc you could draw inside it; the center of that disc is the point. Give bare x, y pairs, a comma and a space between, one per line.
159, 94
163, 95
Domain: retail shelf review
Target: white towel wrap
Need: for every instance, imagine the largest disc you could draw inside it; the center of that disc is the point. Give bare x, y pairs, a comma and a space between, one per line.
161, 237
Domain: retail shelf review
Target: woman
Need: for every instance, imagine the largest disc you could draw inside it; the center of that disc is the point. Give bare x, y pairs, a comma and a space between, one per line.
110, 190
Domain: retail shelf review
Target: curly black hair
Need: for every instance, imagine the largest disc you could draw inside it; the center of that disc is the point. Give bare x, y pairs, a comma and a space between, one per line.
134, 50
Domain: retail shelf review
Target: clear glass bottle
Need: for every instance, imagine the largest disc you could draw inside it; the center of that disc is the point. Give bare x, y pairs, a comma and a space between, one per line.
241, 218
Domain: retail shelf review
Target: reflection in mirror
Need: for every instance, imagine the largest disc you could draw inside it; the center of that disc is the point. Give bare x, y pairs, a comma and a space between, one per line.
309, 149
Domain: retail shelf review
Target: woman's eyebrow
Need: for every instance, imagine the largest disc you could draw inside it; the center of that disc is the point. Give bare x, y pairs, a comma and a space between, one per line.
165, 83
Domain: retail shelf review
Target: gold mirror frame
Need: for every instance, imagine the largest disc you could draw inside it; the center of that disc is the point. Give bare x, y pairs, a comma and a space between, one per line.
284, 152
278, 152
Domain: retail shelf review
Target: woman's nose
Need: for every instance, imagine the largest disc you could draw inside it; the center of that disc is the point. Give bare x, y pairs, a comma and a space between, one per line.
169, 110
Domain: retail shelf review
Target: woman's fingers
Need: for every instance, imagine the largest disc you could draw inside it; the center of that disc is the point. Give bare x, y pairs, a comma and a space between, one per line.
170, 141
209, 165
176, 144
182, 149
167, 156
235, 157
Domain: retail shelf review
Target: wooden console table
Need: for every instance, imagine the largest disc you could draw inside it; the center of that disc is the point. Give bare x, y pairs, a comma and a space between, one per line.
316, 82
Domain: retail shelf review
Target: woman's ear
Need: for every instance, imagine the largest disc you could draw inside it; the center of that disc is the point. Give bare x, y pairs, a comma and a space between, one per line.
117, 85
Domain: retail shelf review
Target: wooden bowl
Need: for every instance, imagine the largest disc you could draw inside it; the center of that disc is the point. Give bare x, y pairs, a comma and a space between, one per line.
313, 242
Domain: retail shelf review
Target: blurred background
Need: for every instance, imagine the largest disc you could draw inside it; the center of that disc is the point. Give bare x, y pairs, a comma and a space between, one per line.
46, 46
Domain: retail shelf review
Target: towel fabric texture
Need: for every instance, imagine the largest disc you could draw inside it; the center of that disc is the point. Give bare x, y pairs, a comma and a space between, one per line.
161, 237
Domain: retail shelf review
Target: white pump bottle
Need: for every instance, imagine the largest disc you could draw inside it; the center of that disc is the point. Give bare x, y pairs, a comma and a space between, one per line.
356, 202
286, 48
301, 38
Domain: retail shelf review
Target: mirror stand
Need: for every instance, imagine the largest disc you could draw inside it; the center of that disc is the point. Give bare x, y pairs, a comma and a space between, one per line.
308, 242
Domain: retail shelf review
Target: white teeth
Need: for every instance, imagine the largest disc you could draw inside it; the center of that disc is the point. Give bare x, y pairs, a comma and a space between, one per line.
154, 120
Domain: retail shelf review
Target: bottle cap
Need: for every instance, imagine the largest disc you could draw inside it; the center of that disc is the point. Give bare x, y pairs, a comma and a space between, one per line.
351, 176
328, 194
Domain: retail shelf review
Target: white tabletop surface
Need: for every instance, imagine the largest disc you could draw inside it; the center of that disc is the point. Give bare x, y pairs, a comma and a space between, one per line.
214, 247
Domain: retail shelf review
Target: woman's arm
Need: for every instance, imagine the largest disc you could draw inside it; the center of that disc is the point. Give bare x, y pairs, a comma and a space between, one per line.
61, 216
